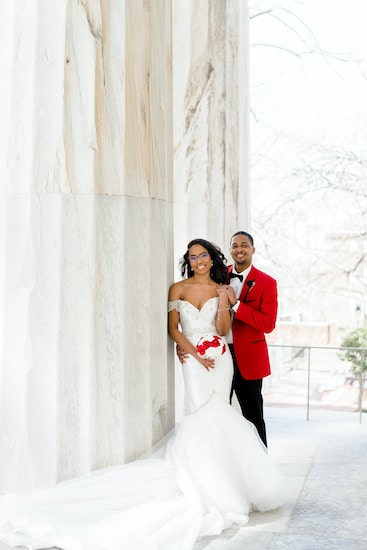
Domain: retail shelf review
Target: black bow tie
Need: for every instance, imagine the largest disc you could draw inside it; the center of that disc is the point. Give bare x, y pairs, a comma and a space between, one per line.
232, 275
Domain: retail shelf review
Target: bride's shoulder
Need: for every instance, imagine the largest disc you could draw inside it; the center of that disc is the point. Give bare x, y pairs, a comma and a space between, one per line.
175, 291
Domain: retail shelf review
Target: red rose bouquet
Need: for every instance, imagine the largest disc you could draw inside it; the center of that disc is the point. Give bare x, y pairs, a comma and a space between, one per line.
211, 347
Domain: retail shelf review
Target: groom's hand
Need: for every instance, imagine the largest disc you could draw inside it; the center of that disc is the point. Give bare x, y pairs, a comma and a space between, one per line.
181, 354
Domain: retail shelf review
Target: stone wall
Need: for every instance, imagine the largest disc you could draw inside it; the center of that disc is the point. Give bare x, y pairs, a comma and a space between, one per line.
123, 134
86, 197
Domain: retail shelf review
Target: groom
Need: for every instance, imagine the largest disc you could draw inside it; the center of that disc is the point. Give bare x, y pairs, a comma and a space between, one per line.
253, 298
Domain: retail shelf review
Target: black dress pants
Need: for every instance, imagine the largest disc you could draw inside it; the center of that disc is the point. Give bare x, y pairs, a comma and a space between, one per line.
248, 393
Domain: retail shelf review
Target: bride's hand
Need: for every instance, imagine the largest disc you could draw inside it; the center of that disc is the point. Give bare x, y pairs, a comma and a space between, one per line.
231, 295
222, 289
229, 290
207, 363
224, 292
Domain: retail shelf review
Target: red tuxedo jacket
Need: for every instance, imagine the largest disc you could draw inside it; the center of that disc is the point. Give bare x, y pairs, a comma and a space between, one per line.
255, 316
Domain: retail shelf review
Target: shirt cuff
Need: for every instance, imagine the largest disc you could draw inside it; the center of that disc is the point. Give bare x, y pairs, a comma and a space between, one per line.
235, 306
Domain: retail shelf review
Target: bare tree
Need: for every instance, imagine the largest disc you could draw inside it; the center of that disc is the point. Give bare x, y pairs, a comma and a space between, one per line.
309, 194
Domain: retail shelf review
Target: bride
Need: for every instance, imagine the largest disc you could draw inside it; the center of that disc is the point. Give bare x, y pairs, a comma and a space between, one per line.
215, 469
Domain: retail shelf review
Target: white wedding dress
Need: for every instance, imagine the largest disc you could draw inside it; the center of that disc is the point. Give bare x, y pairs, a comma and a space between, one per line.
214, 472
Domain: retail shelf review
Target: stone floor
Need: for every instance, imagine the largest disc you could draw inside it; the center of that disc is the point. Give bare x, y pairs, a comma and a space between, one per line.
325, 462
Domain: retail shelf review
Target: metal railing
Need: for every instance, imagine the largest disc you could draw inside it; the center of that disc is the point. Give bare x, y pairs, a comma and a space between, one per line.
302, 348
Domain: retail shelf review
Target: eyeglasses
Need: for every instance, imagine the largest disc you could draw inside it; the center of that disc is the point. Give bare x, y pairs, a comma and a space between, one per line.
202, 256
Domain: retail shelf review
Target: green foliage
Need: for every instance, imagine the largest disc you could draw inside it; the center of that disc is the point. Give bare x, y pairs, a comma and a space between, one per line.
355, 339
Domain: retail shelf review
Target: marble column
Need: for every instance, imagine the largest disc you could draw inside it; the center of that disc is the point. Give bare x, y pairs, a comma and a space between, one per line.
103, 106
210, 120
85, 234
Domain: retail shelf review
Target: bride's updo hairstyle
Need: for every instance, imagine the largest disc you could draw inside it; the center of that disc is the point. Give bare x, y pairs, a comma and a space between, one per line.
218, 271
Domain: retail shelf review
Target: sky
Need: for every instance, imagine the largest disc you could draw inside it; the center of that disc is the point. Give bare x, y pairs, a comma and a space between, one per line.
304, 104
313, 96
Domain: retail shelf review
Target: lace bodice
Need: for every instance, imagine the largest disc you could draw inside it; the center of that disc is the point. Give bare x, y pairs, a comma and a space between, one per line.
196, 321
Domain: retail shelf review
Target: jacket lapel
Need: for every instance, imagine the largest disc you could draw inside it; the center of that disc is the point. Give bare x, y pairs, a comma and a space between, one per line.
246, 286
